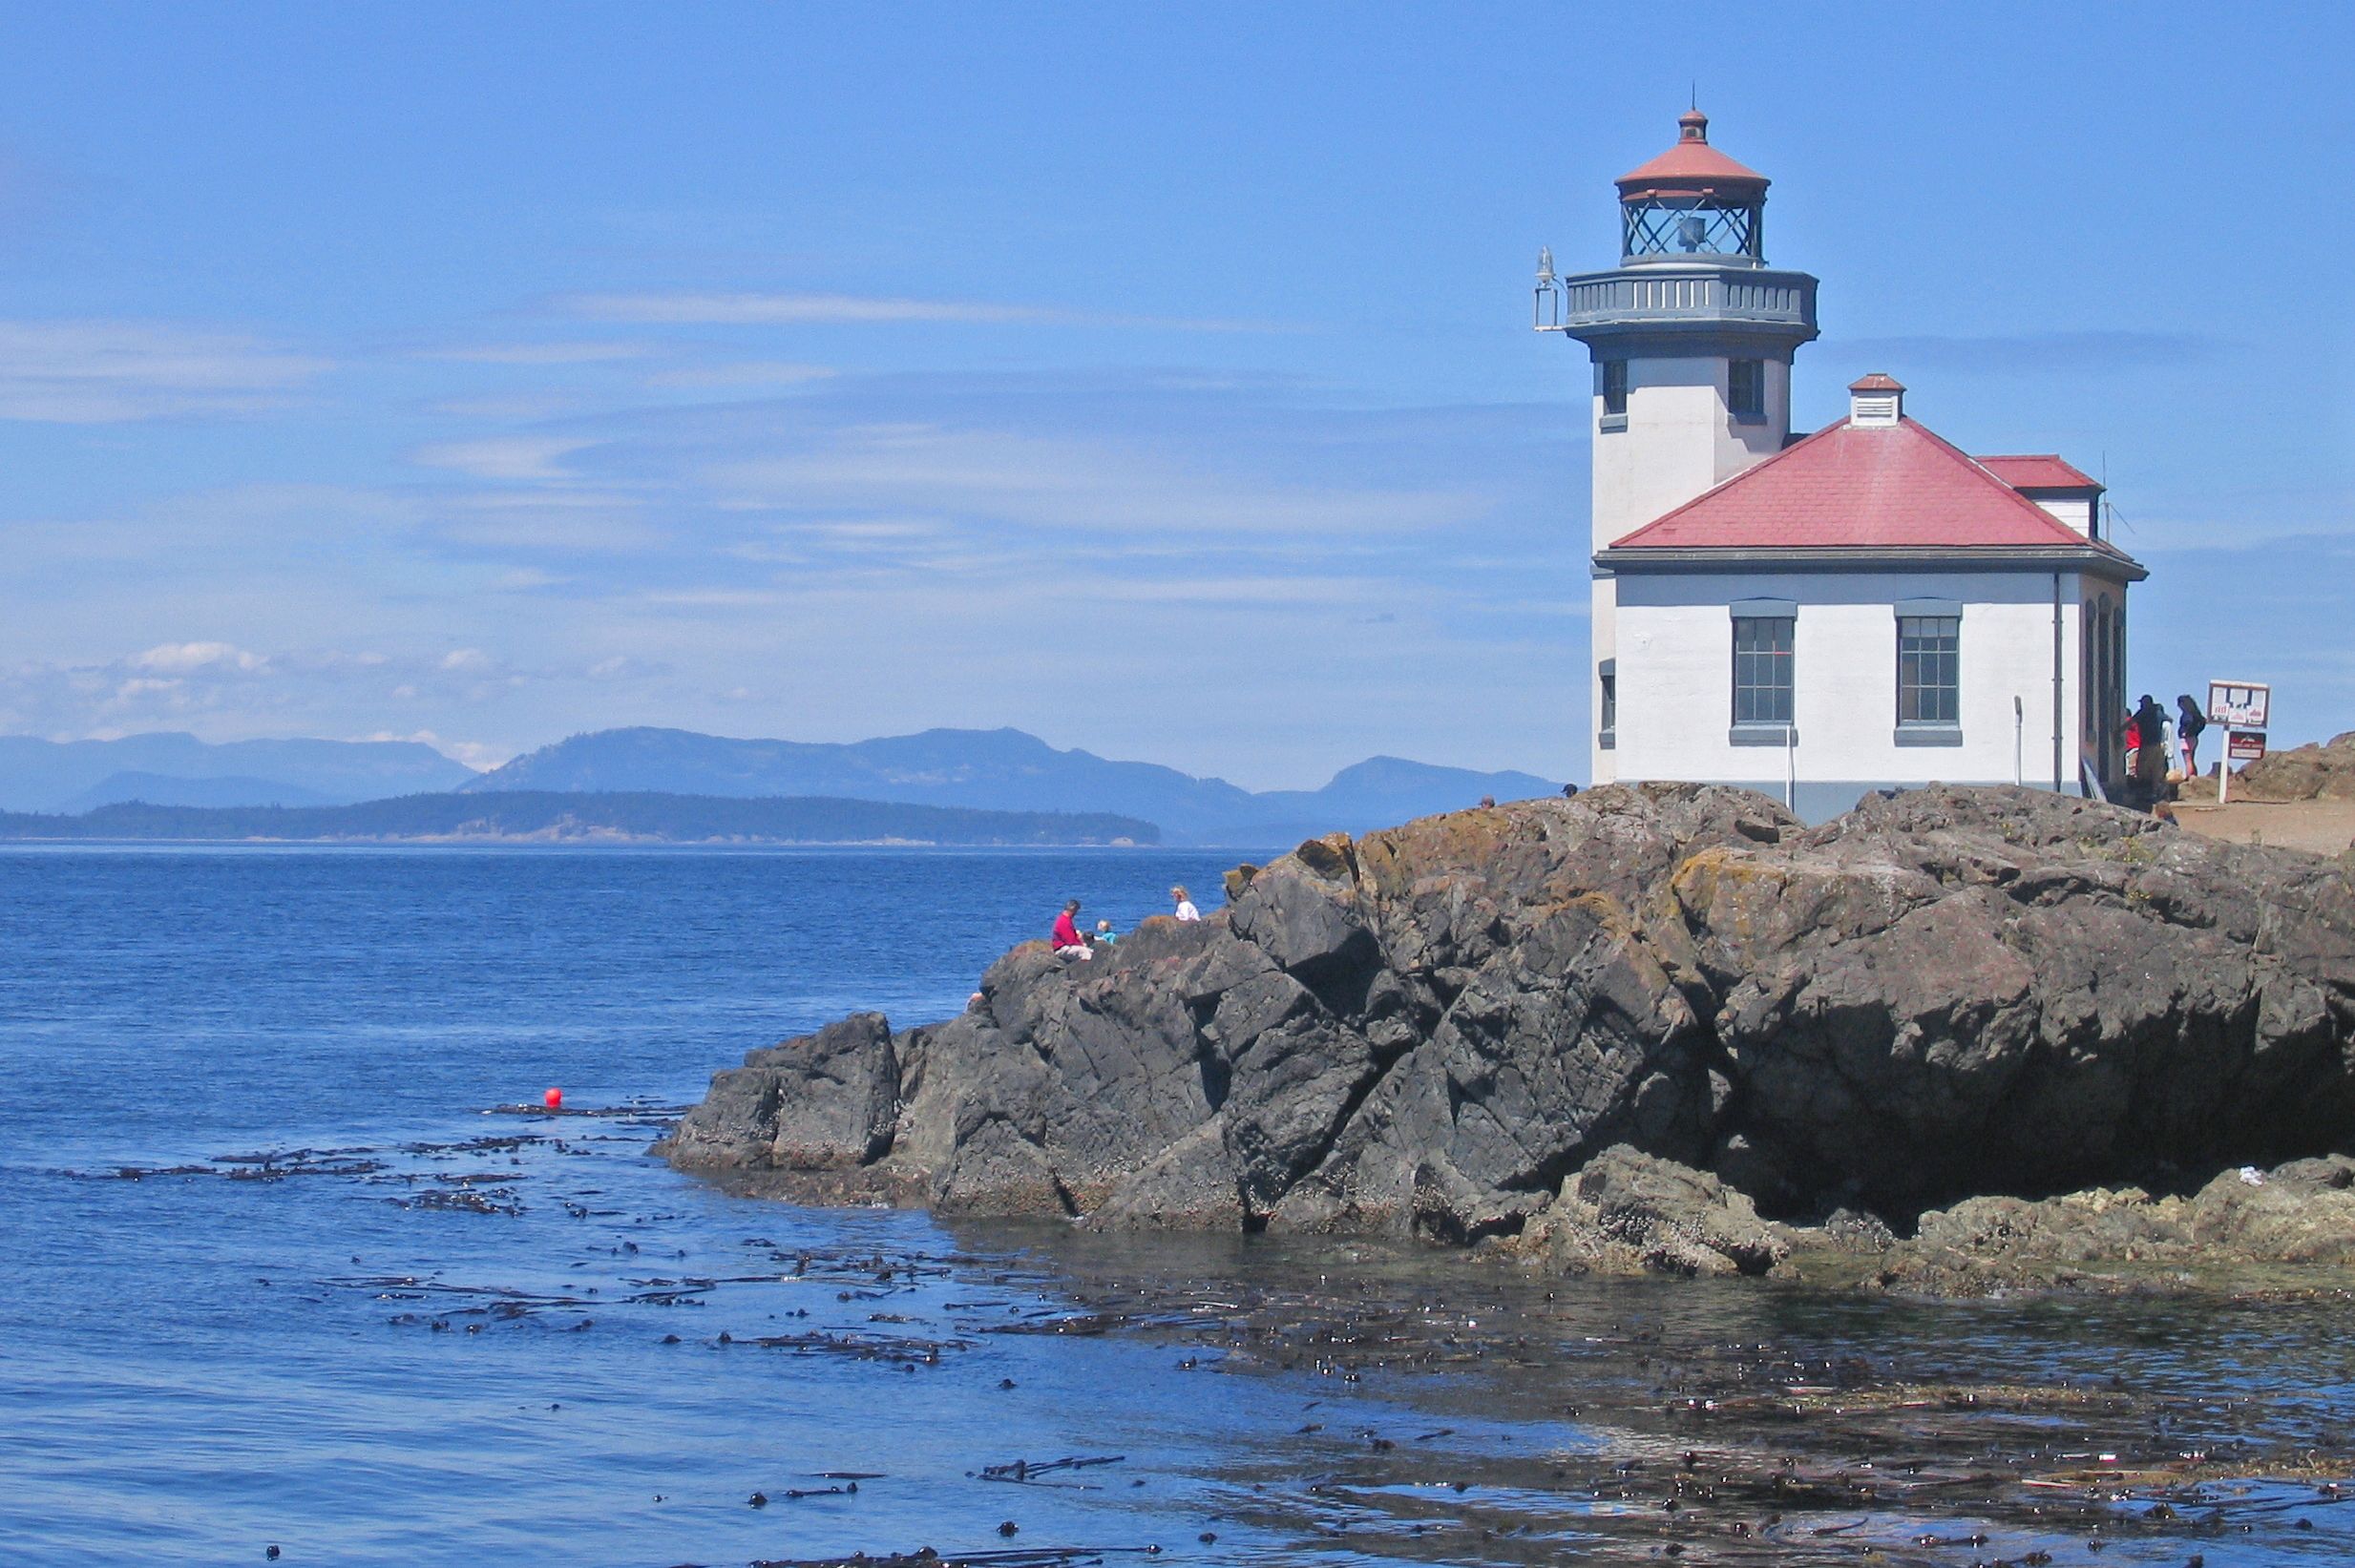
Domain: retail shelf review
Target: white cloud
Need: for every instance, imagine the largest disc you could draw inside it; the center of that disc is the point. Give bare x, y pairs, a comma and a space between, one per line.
180, 656
473, 753
503, 456
94, 373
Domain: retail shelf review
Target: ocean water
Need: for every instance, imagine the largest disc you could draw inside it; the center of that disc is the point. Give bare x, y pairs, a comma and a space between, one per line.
281, 1273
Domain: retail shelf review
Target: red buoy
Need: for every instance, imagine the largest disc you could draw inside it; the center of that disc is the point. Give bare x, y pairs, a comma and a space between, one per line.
555, 1099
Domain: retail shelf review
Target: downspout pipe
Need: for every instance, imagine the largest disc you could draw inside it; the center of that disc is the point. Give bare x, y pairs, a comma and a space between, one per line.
2056, 684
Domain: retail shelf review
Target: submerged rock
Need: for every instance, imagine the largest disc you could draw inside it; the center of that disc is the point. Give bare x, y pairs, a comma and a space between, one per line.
1457, 1024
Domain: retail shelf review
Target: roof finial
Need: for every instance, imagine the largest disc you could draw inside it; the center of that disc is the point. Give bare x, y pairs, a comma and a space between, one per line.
1695, 100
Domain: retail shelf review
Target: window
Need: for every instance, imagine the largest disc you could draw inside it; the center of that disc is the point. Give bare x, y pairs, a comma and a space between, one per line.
1929, 670
1745, 388
1615, 387
1762, 669
1608, 671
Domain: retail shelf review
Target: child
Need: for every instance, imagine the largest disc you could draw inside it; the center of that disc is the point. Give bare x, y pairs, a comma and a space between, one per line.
1105, 936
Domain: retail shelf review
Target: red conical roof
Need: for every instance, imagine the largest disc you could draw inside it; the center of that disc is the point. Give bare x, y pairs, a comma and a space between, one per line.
1693, 167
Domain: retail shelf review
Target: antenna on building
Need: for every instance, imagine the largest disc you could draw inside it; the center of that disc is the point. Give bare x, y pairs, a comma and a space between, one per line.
1546, 309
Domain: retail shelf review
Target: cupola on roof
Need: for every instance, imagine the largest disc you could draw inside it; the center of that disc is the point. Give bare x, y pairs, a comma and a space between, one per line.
1693, 167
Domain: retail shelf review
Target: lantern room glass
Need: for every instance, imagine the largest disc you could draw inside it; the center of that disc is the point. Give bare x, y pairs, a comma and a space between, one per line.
1692, 225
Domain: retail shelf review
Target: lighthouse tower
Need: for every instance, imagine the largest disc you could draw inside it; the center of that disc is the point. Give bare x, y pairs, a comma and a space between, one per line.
1692, 337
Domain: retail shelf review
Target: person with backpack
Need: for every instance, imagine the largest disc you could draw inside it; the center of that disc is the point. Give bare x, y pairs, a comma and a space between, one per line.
2189, 723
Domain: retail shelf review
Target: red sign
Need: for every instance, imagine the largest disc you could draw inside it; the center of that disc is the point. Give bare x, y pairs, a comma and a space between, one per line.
2245, 746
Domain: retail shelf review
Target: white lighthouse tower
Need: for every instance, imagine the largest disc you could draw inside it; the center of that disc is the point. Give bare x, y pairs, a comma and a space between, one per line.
1692, 337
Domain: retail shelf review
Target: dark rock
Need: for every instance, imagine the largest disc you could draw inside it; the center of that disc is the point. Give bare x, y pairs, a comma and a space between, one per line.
1948, 993
827, 1100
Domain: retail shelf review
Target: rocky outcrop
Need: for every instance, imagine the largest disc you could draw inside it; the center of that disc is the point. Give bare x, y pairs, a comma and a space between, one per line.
2323, 772
1444, 1027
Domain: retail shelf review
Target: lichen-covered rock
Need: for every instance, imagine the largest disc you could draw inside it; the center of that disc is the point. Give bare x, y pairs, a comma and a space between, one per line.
2299, 1213
1628, 1213
1947, 992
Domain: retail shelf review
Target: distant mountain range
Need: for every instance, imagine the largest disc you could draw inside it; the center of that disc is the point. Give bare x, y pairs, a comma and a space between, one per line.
1005, 770
540, 816
37, 775
961, 770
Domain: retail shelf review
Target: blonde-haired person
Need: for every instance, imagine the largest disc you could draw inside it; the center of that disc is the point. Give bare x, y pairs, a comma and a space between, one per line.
1184, 903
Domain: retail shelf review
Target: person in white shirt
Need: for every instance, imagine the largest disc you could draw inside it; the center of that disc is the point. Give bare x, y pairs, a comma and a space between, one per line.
1186, 910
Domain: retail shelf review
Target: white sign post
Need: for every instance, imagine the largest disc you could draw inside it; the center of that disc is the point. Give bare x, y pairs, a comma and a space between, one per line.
2237, 705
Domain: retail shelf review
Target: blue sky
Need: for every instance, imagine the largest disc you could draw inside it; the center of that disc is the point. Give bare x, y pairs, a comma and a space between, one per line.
1154, 379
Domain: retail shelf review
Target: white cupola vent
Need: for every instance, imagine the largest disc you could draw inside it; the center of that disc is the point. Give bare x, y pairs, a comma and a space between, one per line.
1877, 400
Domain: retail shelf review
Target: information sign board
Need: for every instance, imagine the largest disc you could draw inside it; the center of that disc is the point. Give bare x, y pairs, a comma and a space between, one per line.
2238, 705
2245, 746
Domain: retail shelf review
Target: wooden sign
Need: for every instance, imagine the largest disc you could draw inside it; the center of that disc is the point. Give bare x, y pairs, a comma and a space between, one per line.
2245, 746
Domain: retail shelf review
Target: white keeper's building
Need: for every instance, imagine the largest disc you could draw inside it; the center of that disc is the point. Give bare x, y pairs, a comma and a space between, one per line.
1864, 607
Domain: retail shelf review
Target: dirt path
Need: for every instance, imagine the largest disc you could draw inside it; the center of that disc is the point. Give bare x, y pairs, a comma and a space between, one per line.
2326, 827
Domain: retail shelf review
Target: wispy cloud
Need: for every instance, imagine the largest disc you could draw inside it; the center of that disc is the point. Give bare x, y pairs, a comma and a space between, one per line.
747, 373
542, 353
782, 309
503, 456
1071, 483
2026, 351
96, 372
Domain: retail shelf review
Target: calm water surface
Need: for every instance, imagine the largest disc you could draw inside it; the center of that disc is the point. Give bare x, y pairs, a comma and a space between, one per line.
420, 1334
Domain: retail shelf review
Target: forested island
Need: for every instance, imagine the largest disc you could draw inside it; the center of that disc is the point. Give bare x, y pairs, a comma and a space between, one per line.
543, 816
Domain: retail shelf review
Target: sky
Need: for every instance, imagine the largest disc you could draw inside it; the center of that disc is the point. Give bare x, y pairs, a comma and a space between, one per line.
1155, 378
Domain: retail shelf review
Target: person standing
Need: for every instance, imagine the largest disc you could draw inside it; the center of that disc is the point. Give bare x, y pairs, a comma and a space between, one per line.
2189, 723
2151, 750
1186, 910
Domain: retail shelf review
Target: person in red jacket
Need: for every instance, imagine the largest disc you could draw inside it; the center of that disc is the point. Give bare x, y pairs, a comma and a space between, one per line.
1067, 937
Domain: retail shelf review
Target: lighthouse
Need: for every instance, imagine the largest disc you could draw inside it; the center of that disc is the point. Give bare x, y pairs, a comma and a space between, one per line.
1867, 607
1692, 336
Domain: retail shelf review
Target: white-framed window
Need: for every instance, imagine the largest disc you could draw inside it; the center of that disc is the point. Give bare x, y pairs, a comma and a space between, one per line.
1608, 721
1930, 671
1762, 669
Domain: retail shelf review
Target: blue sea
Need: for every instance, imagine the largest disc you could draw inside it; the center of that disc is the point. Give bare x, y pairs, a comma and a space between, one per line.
292, 1261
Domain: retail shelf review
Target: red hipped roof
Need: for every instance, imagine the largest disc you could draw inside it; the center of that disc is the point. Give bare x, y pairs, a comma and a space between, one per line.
1860, 486
2039, 470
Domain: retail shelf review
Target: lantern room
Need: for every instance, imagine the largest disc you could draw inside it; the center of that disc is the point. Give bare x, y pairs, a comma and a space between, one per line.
1692, 203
